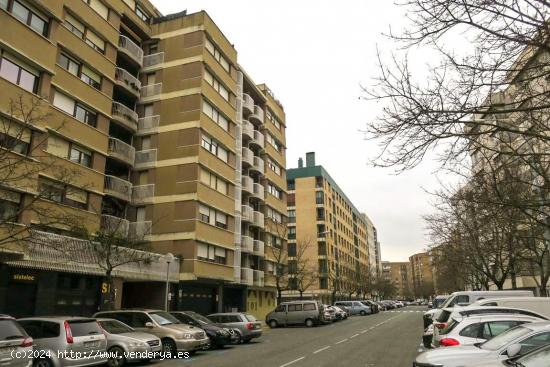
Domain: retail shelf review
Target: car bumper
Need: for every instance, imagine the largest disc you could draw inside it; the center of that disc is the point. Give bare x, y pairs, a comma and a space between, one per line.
139, 354
220, 339
191, 345
253, 334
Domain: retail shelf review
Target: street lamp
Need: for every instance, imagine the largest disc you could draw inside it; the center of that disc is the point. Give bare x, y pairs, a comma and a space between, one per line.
169, 257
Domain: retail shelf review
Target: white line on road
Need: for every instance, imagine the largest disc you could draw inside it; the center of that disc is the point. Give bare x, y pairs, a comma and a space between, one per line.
291, 362
322, 349
341, 341
364, 331
353, 336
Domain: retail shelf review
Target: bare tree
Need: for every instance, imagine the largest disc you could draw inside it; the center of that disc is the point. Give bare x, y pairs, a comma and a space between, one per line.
302, 267
280, 257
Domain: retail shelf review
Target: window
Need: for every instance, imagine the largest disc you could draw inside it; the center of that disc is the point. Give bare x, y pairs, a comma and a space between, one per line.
212, 146
75, 109
222, 91
215, 115
319, 197
217, 55
99, 7
291, 233
281, 308
291, 216
81, 156
9, 205
274, 215
58, 192
212, 216
18, 73
14, 138
142, 14
273, 166
83, 72
273, 190
471, 331
271, 117
309, 307
214, 181
271, 140
81, 31
292, 249
211, 253
24, 13
291, 185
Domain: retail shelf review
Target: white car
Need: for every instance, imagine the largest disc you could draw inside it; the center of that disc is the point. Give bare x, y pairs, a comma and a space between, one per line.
514, 342
537, 358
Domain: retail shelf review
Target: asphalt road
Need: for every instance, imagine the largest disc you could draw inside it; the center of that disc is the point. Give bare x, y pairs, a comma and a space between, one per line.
387, 339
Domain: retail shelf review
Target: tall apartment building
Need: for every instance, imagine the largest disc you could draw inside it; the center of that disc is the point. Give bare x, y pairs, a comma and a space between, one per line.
399, 273
336, 233
422, 274
174, 143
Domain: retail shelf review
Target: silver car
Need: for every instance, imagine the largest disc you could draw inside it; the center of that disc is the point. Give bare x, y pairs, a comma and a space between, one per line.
15, 344
512, 343
355, 307
124, 344
246, 325
66, 341
536, 358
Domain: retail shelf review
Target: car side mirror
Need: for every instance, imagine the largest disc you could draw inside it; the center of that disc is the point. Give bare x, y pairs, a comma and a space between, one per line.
513, 350
149, 325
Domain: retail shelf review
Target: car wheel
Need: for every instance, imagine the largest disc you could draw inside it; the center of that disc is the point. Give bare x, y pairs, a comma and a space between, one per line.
362, 313
310, 323
168, 346
116, 357
239, 338
42, 362
273, 324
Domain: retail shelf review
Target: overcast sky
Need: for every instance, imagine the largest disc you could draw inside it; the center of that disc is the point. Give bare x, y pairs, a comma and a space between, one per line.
314, 55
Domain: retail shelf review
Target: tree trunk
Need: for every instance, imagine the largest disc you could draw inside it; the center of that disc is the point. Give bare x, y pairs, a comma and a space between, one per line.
301, 294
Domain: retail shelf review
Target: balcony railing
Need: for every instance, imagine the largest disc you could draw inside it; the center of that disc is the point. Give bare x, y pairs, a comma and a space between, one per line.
118, 187
257, 116
247, 184
259, 164
125, 115
148, 124
258, 219
145, 159
247, 213
258, 139
258, 277
259, 191
128, 80
114, 225
151, 90
248, 104
259, 248
247, 276
139, 230
248, 156
248, 129
131, 49
247, 244
153, 59
143, 194
122, 151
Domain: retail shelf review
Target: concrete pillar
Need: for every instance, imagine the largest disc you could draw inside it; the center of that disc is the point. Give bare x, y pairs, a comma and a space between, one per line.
220, 298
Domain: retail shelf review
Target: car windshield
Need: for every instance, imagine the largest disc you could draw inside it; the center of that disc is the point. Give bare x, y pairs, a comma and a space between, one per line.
163, 318
438, 302
250, 318
200, 318
115, 327
539, 358
9, 329
505, 338
448, 302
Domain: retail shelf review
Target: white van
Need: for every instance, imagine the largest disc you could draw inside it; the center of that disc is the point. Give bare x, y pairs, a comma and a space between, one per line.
540, 305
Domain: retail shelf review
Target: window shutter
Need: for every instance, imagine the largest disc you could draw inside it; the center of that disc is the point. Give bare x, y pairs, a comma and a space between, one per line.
222, 154
220, 252
63, 102
95, 39
222, 186
221, 218
15, 131
92, 74
100, 8
211, 254
205, 177
202, 250
12, 196
203, 209
58, 146
77, 195
74, 22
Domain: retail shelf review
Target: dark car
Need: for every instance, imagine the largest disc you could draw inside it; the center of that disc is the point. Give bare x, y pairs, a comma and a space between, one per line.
218, 334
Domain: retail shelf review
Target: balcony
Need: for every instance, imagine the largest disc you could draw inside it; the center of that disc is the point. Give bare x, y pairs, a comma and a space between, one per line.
258, 165
248, 104
247, 184
133, 51
258, 191
118, 188
153, 59
111, 225
145, 159
258, 277
121, 151
248, 129
125, 116
148, 124
248, 156
258, 139
127, 81
151, 90
139, 230
143, 194
247, 213
259, 248
247, 276
257, 117
258, 219
247, 244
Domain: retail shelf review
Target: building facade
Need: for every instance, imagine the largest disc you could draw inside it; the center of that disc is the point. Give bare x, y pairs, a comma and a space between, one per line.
336, 235
399, 273
422, 275
170, 141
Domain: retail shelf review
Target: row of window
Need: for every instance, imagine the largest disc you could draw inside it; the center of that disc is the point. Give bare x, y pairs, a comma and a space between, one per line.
217, 55
83, 32
14, 137
212, 216
80, 70
10, 203
213, 181
211, 253
274, 143
62, 193
271, 117
73, 152
215, 115
74, 108
17, 72
222, 91
274, 215
26, 14
274, 166
274, 190
214, 147
273, 241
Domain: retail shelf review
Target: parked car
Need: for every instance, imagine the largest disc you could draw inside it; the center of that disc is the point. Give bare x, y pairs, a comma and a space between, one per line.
175, 336
536, 358
245, 325
126, 345
329, 314
382, 306
373, 305
58, 336
218, 334
355, 307
340, 313
309, 313
511, 343
438, 301
540, 305
14, 340
399, 304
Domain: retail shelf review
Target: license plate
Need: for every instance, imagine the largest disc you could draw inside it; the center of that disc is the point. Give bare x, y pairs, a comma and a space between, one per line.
91, 344
257, 327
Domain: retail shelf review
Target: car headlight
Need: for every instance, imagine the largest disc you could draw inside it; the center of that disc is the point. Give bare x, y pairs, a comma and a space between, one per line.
187, 336
137, 344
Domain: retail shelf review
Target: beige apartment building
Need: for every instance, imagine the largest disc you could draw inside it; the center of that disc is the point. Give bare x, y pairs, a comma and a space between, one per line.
332, 230
172, 141
422, 274
399, 273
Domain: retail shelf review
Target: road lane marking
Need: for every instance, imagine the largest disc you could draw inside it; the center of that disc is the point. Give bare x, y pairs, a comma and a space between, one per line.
341, 341
364, 331
291, 362
322, 349
353, 336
